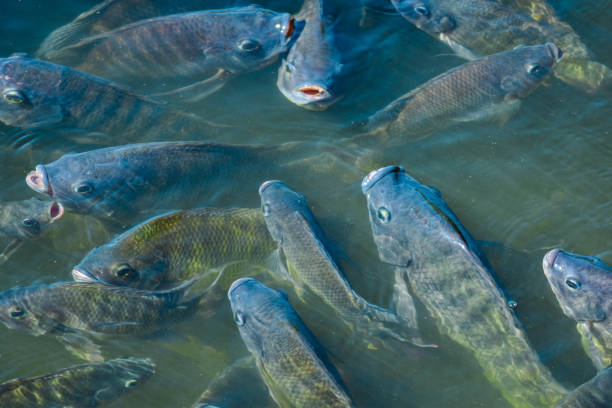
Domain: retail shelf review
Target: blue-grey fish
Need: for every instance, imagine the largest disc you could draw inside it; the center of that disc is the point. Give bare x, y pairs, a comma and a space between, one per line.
36, 93
595, 393
83, 386
583, 287
415, 230
186, 54
309, 75
289, 358
23, 220
490, 88
474, 28
311, 267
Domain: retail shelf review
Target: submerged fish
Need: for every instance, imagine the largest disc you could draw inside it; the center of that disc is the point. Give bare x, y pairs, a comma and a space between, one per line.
474, 28
596, 393
289, 358
24, 220
35, 93
202, 48
308, 76
416, 231
74, 311
583, 287
178, 246
487, 89
310, 266
84, 385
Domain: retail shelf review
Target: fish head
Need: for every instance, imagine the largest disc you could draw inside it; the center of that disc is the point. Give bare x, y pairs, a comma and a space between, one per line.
95, 182
28, 218
119, 262
258, 37
29, 92
408, 218
258, 310
428, 15
280, 206
523, 69
15, 314
122, 374
581, 284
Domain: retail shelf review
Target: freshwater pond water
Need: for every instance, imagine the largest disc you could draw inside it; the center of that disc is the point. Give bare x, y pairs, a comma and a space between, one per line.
542, 180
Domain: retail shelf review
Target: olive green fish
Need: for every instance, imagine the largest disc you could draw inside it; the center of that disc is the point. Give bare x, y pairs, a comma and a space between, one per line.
583, 288
310, 266
178, 246
290, 359
474, 28
490, 89
595, 393
83, 386
415, 230
24, 220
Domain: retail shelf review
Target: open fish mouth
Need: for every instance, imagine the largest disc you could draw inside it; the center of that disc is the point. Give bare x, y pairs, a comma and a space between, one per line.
290, 28
550, 257
56, 210
314, 92
555, 52
80, 275
38, 180
376, 175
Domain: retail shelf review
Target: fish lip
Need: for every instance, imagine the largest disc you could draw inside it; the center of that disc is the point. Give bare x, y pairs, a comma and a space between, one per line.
56, 211
550, 258
555, 52
38, 180
313, 93
80, 275
237, 283
290, 28
375, 176
267, 184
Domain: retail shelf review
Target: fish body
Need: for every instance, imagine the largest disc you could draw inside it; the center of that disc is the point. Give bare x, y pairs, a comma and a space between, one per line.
36, 93
84, 385
309, 75
178, 246
486, 89
155, 53
474, 28
289, 358
91, 307
595, 393
415, 230
583, 288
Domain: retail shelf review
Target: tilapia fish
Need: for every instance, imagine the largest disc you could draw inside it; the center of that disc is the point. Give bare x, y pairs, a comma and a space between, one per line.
202, 49
311, 267
38, 94
309, 75
84, 385
596, 393
416, 231
474, 28
289, 358
178, 246
583, 287
24, 220
486, 89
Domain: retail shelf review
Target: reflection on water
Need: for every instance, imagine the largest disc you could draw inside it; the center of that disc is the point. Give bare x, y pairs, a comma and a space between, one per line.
540, 181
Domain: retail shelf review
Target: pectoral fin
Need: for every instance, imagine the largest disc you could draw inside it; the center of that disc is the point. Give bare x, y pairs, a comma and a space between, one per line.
9, 250
81, 346
198, 90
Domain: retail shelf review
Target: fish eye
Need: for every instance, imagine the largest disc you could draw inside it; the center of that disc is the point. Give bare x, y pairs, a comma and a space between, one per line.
239, 318
383, 215
536, 69
14, 96
30, 223
248, 45
17, 313
83, 188
289, 68
572, 283
421, 10
124, 272
512, 304
130, 383
265, 209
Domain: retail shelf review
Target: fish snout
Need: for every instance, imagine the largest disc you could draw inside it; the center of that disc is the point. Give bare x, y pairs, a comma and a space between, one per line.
237, 284
549, 258
555, 52
375, 175
80, 275
38, 180
267, 184
56, 210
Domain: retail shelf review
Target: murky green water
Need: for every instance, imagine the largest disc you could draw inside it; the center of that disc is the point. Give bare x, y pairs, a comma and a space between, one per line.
542, 180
